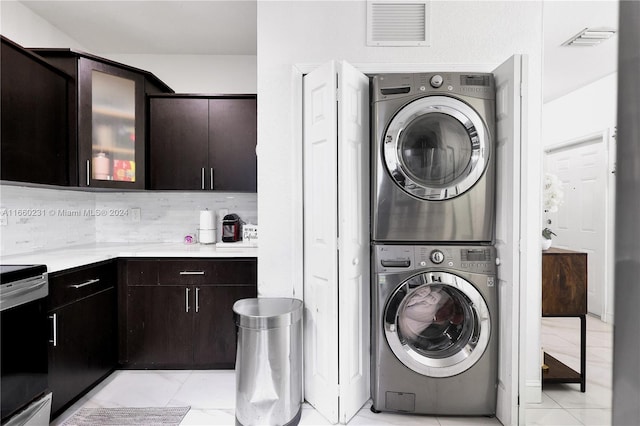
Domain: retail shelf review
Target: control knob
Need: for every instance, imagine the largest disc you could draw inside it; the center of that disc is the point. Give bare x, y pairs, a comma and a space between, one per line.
436, 81
437, 256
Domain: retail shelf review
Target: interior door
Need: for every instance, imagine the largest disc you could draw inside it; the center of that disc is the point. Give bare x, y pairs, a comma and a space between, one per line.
510, 96
336, 243
320, 187
353, 254
581, 221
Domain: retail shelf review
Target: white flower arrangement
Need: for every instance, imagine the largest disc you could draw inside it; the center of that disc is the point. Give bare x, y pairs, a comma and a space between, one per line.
552, 192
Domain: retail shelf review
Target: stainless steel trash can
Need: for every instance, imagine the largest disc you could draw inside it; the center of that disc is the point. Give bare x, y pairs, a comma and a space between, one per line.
268, 361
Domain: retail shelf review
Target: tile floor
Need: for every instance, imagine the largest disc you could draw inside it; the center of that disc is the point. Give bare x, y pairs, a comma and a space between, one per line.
210, 393
564, 404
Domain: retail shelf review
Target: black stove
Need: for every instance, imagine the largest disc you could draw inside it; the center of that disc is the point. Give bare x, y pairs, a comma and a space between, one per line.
24, 336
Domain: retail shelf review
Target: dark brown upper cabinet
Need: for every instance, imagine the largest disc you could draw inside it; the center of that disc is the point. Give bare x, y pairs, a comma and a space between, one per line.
34, 144
203, 143
108, 125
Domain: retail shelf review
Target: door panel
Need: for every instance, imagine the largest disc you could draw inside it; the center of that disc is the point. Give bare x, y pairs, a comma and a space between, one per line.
66, 380
581, 220
178, 142
86, 346
353, 257
509, 80
232, 144
160, 328
320, 240
214, 331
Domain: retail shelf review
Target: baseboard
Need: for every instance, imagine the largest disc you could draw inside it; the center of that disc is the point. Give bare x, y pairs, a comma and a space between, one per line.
533, 392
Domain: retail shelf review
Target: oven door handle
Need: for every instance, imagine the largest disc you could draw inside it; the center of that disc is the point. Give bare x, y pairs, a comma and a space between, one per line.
93, 281
39, 283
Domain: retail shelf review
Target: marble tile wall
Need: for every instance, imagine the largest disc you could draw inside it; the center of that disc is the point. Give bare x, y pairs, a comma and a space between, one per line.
164, 216
34, 219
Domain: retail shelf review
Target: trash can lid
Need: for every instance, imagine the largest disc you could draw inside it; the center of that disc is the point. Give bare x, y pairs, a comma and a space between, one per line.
267, 312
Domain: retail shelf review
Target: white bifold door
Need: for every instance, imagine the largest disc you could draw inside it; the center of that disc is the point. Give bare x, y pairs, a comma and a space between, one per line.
511, 91
336, 240
336, 231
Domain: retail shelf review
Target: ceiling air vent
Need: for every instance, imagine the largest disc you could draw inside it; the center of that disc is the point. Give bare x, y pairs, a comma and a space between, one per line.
590, 37
398, 23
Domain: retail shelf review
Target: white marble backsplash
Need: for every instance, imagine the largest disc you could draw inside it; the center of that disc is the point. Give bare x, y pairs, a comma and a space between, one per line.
44, 219
33, 219
164, 216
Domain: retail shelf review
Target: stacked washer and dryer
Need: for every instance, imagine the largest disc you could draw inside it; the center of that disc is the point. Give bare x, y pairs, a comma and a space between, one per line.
434, 339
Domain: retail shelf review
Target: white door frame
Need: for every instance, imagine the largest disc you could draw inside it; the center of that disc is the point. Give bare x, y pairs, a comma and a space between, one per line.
297, 73
608, 138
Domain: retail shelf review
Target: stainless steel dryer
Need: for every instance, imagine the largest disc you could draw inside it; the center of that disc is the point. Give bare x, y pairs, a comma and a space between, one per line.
434, 334
433, 162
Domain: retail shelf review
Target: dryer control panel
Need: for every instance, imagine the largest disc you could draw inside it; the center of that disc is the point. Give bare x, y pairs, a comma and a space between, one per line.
391, 86
398, 258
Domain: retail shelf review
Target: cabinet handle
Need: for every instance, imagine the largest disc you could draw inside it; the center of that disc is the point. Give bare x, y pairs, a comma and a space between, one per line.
88, 172
211, 177
202, 176
54, 319
186, 300
86, 283
191, 272
197, 301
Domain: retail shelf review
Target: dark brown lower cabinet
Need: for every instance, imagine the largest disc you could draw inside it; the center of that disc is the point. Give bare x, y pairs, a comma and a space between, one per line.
214, 338
83, 344
179, 312
159, 327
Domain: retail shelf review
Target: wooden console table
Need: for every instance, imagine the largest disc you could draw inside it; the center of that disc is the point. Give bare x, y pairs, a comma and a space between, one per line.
564, 294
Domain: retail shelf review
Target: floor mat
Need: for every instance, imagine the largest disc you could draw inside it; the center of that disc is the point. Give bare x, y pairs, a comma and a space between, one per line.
149, 416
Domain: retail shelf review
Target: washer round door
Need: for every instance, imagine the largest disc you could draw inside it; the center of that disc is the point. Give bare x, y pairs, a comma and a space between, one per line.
437, 324
436, 148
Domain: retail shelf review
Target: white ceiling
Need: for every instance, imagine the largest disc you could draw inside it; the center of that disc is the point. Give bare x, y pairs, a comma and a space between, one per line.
229, 28
567, 68
156, 27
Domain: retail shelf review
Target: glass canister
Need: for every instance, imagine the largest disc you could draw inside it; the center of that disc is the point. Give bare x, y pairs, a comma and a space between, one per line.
101, 166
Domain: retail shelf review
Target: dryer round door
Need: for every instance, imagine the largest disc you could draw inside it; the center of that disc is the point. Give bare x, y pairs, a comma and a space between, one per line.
436, 148
437, 324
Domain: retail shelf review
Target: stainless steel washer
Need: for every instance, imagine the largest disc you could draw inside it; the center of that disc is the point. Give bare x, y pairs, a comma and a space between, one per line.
434, 333
433, 158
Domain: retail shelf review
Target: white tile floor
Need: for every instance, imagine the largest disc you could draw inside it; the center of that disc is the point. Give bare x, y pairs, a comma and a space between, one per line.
564, 404
210, 393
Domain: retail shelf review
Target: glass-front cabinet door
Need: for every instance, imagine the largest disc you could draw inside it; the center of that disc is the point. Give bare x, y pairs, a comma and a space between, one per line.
111, 126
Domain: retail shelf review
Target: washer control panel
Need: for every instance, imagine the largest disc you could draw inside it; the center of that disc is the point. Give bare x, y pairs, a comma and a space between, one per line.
399, 258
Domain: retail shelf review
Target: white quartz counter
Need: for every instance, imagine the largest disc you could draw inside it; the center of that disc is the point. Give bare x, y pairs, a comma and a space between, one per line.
58, 260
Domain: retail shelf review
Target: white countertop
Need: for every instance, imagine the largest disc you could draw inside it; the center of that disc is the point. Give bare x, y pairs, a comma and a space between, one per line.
61, 259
